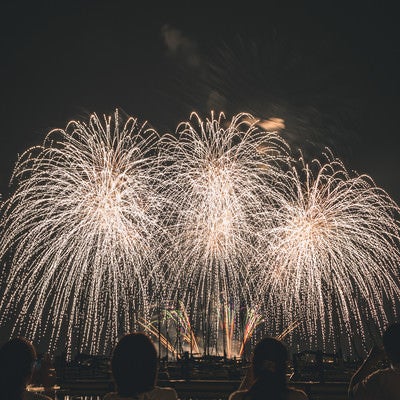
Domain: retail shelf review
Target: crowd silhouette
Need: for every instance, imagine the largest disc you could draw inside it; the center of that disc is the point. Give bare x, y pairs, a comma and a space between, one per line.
134, 367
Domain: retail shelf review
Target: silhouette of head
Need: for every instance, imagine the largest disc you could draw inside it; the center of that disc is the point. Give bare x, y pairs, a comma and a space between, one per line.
134, 364
391, 342
270, 357
16, 361
269, 370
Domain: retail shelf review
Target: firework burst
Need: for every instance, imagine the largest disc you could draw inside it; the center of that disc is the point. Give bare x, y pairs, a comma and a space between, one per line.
332, 257
81, 229
221, 187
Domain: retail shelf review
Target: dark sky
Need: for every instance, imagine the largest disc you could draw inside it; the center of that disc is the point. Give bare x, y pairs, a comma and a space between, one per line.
329, 69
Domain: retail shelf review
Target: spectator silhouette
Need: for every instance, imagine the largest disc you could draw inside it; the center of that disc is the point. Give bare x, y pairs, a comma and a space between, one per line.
17, 358
371, 382
134, 369
45, 374
266, 379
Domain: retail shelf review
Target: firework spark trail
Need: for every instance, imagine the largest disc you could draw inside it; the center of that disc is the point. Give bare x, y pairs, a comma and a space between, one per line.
221, 185
182, 329
182, 320
288, 330
228, 329
253, 319
155, 332
333, 256
82, 228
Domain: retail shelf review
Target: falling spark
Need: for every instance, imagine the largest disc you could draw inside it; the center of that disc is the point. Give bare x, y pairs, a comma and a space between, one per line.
82, 229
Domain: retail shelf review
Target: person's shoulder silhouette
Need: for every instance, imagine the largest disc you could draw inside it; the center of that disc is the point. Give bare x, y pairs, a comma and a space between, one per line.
17, 357
371, 382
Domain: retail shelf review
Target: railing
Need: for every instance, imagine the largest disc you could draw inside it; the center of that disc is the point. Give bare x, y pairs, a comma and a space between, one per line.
199, 390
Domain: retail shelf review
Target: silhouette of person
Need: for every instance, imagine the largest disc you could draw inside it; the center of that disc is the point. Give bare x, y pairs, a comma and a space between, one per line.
266, 379
17, 358
134, 369
45, 374
372, 383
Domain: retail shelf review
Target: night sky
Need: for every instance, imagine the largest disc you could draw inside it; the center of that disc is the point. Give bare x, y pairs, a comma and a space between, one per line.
328, 69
